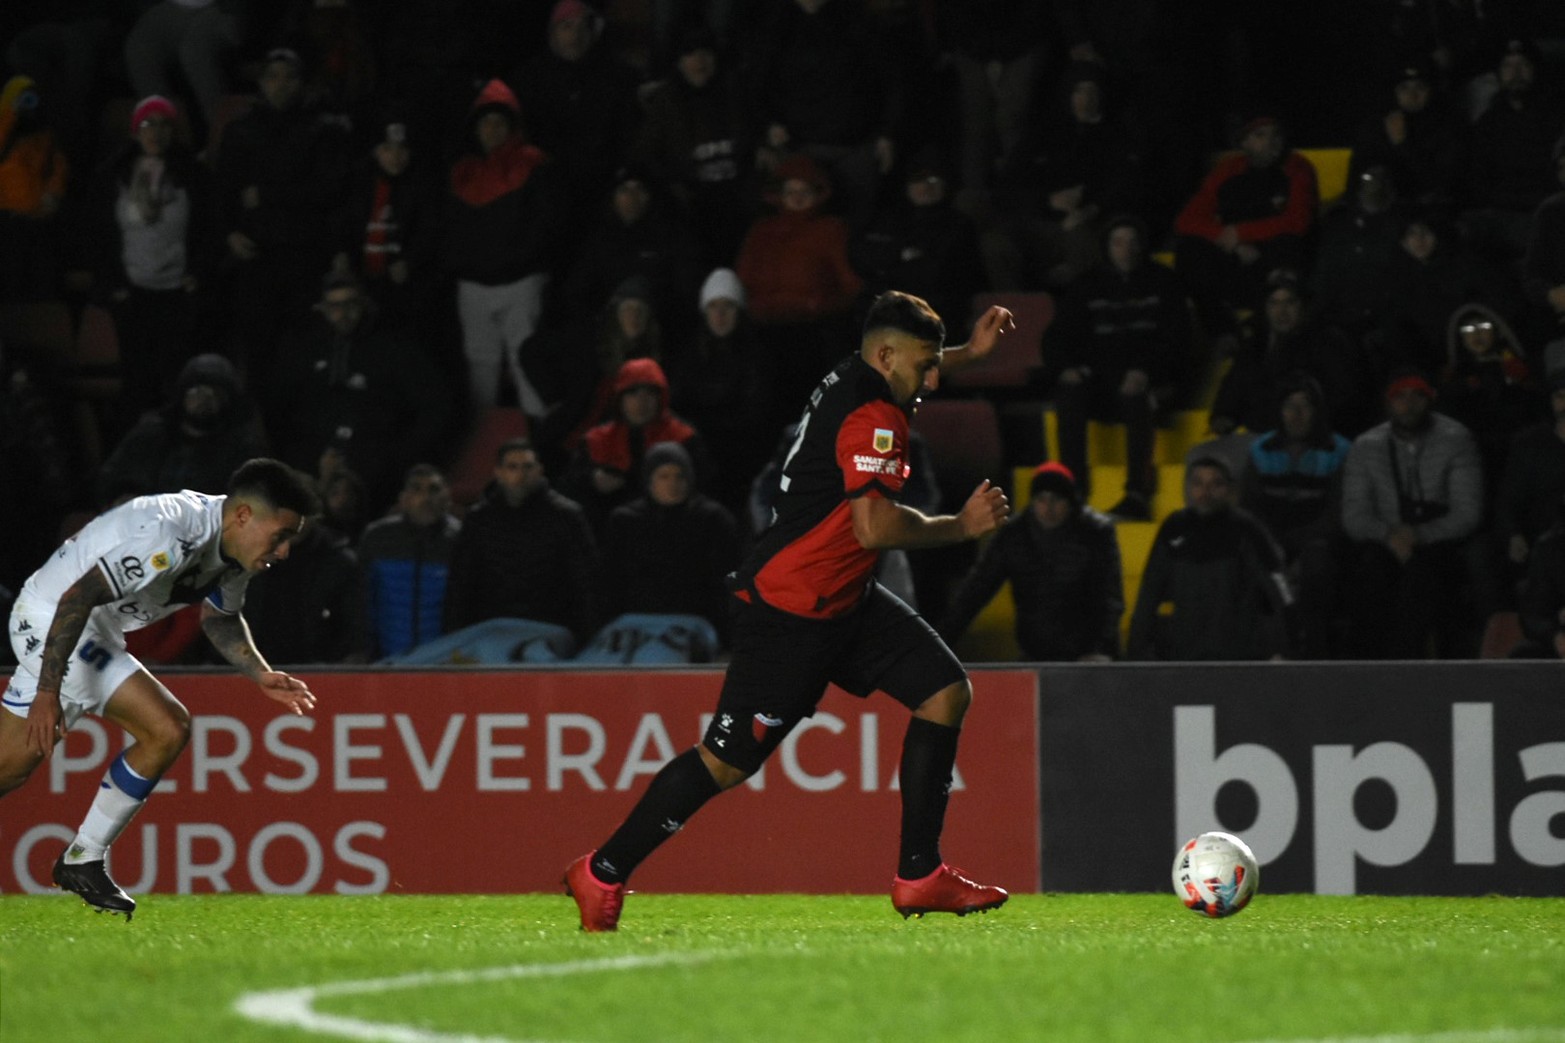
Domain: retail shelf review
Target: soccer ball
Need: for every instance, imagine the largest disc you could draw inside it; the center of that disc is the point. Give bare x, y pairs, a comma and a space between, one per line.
1215, 874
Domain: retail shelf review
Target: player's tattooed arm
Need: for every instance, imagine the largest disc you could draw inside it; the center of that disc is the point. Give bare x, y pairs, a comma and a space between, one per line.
230, 635
70, 619
46, 724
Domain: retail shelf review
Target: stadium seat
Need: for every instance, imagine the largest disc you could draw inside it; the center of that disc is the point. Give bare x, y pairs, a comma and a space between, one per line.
229, 108
95, 361
964, 440
1502, 633
1020, 353
474, 464
1331, 171
37, 333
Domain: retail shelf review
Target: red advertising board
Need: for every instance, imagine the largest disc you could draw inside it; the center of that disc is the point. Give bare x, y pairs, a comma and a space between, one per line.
491, 782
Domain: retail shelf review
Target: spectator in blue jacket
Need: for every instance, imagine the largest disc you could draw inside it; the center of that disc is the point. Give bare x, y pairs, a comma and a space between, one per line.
1293, 484
406, 558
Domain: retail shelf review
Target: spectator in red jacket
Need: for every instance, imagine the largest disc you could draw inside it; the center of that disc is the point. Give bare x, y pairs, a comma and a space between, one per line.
1249, 217
605, 472
794, 265
504, 227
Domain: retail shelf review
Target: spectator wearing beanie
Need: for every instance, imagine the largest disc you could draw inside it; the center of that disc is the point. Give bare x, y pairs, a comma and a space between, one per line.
722, 381
670, 549
1063, 563
150, 221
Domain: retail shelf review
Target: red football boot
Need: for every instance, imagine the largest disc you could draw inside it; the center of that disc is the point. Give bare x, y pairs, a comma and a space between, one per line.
599, 903
946, 890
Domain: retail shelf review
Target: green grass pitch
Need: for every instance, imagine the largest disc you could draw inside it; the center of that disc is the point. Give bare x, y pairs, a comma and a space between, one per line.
433, 969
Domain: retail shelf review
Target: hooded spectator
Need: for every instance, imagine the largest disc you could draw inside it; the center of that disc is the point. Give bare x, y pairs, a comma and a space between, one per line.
604, 475
505, 219
206, 429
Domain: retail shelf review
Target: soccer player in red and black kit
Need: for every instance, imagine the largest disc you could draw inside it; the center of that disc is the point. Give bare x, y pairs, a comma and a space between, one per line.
811, 612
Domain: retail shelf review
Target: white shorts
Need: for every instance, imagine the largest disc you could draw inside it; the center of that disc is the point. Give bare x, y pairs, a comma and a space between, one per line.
99, 664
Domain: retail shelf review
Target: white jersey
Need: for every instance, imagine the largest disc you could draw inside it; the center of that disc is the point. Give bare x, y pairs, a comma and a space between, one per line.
158, 554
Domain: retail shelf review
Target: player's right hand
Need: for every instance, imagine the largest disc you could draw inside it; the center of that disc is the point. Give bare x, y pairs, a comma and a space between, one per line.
985, 510
45, 723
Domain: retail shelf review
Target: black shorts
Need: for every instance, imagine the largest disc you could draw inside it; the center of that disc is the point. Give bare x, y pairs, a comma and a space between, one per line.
781, 664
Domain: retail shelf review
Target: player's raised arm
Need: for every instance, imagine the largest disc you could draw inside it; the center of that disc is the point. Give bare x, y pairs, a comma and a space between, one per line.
992, 325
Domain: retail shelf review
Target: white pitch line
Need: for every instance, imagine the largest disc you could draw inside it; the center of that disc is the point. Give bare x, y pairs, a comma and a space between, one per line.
295, 1008
1534, 1035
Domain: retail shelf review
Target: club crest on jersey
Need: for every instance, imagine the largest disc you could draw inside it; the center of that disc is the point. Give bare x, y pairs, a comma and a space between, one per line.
763, 723
883, 440
160, 561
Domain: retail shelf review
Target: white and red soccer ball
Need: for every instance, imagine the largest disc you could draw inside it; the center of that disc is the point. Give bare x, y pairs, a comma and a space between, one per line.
1215, 874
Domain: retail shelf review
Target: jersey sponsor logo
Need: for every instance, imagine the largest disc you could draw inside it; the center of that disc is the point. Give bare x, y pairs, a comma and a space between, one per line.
160, 560
130, 569
884, 440
876, 464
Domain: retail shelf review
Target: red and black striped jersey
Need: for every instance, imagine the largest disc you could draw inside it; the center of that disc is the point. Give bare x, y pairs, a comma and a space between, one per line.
852, 442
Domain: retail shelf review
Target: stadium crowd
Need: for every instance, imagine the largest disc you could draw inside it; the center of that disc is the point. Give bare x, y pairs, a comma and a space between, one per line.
343, 233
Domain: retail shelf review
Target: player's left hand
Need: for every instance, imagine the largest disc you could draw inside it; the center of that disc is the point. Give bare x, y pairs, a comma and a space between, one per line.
985, 510
290, 691
994, 323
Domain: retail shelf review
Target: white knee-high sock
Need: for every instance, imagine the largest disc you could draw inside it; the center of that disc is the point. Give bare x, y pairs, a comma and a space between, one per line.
120, 795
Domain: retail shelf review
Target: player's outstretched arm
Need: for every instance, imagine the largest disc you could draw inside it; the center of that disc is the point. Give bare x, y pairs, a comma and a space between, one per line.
992, 325
882, 524
230, 635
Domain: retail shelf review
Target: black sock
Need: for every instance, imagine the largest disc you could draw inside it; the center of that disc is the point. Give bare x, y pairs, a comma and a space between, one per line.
928, 756
675, 793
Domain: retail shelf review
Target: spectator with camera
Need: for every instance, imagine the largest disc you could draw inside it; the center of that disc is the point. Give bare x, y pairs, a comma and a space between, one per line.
1412, 499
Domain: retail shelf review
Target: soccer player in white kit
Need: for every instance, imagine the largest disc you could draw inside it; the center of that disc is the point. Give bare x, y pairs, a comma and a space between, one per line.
128, 567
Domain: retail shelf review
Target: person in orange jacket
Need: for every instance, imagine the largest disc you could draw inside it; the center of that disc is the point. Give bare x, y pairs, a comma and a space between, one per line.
33, 176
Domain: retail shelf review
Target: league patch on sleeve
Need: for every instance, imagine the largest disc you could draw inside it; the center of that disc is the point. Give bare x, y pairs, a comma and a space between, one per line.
884, 440
160, 561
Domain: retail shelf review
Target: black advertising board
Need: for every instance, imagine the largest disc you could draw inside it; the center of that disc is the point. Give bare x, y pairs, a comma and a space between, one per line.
1382, 778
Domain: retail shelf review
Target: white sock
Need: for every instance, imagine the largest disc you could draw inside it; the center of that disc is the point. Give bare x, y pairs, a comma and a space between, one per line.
120, 795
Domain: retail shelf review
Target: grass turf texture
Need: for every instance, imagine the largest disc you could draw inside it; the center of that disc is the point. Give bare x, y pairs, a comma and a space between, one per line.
1073, 967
